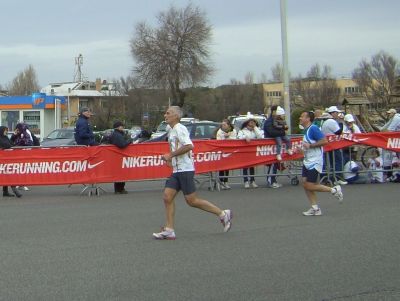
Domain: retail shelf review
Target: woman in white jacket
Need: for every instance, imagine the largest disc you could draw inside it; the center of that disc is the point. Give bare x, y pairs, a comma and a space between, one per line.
249, 132
225, 132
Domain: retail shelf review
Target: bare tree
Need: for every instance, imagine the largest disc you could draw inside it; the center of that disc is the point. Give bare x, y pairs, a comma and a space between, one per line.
277, 73
174, 55
263, 78
318, 89
249, 78
25, 83
377, 78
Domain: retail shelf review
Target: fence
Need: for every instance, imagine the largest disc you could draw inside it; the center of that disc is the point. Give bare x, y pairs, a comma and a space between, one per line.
105, 164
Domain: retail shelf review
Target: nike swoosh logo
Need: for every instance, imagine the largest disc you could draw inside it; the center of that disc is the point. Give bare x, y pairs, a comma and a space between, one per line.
226, 155
90, 166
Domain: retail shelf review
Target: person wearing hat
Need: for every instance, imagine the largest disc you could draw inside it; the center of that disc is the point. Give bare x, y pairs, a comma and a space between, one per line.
393, 123
279, 124
332, 126
249, 131
83, 131
118, 139
350, 127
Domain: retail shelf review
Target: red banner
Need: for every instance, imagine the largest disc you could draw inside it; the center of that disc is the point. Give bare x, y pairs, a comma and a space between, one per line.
107, 163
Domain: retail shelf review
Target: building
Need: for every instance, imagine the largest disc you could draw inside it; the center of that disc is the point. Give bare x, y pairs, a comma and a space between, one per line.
273, 92
41, 112
81, 94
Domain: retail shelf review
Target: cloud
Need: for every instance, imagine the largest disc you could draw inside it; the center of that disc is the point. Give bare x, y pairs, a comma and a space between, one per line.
105, 58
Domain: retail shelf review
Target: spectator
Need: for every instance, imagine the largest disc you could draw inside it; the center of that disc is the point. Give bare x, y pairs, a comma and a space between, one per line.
350, 127
118, 139
249, 131
280, 127
375, 164
83, 131
4, 144
393, 123
272, 169
318, 117
351, 172
22, 137
225, 132
395, 178
331, 127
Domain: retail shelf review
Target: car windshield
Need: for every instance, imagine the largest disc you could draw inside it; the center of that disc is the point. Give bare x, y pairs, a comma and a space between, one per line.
162, 127
61, 134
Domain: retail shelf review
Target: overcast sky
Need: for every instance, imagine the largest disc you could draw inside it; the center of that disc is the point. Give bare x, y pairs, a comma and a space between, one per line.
246, 35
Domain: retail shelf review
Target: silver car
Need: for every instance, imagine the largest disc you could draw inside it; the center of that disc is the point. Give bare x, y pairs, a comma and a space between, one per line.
60, 137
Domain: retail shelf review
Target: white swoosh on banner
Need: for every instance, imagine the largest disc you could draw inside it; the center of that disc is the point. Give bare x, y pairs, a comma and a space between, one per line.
90, 166
362, 139
226, 155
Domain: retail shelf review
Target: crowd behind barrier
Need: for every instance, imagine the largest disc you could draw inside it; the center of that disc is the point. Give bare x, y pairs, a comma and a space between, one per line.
107, 163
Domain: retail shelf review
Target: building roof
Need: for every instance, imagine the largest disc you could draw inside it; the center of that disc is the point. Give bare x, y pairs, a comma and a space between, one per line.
355, 101
84, 89
34, 101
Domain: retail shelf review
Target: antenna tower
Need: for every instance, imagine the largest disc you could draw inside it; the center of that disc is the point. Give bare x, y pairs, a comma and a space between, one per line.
78, 77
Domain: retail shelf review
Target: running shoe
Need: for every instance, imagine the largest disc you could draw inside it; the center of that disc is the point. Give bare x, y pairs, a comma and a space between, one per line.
253, 184
227, 186
246, 185
165, 234
275, 185
226, 220
313, 212
279, 157
340, 182
338, 193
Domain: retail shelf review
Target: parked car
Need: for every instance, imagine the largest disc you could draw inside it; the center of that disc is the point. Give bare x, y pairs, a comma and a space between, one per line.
197, 130
136, 133
60, 137
162, 127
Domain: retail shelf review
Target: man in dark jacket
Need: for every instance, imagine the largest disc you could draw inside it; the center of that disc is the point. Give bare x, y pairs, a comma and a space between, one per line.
4, 144
83, 131
118, 139
269, 132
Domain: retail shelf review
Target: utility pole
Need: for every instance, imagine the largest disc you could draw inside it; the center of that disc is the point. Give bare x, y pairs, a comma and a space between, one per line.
285, 65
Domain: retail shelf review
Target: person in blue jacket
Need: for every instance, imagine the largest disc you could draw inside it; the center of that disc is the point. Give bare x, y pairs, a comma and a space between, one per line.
83, 131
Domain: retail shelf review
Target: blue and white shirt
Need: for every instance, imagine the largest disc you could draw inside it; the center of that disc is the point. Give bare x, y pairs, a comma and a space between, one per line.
313, 157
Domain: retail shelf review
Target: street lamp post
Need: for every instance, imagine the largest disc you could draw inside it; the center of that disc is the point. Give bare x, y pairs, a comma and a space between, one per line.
286, 95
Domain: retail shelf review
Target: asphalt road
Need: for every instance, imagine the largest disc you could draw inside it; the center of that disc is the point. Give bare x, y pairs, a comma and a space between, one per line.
58, 245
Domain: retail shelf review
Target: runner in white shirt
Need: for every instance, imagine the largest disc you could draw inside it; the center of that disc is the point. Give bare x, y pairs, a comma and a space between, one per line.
182, 178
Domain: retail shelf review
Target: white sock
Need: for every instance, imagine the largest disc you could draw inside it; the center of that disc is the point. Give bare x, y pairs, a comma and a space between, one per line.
222, 214
333, 190
169, 229
315, 207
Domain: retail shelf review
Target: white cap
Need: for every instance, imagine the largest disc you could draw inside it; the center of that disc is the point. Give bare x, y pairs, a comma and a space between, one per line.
332, 109
280, 111
392, 111
349, 118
